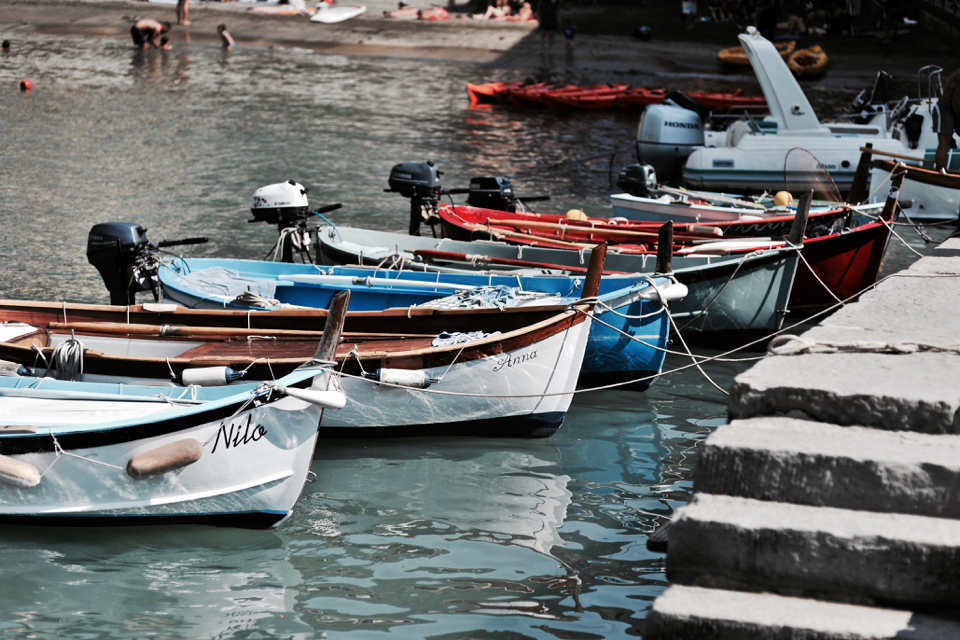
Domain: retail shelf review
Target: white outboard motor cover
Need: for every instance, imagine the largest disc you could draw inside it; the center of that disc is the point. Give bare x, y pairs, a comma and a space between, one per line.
666, 136
280, 195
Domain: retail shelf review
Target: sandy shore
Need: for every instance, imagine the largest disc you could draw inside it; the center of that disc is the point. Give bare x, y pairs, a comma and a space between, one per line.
604, 49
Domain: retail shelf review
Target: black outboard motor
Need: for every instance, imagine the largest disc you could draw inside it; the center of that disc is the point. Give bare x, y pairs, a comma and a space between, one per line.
419, 181
492, 193
123, 255
637, 180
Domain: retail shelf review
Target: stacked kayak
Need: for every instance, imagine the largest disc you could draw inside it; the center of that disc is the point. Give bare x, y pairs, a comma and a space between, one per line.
533, 96
601, 97
487, 92
604, 96
641, 97
732, 100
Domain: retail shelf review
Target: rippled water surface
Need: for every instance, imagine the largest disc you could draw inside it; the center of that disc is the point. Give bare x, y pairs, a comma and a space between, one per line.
404, 538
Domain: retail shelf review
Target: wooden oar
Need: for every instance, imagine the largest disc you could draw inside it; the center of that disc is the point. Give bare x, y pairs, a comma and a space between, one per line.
642, 236
898, 156
180, 331
526, 236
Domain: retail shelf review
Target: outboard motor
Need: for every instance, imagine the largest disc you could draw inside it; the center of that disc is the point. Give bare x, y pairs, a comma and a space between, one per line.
282, 204
637, 179
420, 182
666, 136
492, 193
285, 204
124, 257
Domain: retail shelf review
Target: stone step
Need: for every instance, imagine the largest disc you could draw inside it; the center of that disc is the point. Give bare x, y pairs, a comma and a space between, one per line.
693, 613
896, 392
812, 463
836, 554
910, 392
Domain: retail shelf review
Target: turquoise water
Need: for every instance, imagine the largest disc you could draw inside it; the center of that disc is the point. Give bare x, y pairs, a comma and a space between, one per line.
407, 538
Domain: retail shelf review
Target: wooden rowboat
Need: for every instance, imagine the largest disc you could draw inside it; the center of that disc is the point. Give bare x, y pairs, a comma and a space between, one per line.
85, 453
516, 383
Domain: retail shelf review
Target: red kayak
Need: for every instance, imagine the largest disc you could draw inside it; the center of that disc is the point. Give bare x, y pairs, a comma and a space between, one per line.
604, 97
533, 97
728, 100
487, 91
501, 95
641, 97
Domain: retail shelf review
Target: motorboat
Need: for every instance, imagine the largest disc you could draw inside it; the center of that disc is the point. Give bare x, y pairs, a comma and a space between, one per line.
750, 154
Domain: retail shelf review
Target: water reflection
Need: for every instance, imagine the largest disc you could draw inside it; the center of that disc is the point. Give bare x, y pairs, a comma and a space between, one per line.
134, 582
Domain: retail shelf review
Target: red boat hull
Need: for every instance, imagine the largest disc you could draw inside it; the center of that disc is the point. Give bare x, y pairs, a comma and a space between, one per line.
846, 263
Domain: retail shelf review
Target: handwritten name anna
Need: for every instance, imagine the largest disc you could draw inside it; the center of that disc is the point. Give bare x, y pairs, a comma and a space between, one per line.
511, 361
235, 435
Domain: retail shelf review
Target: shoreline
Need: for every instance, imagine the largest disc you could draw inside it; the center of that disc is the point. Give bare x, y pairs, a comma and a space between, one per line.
677, 58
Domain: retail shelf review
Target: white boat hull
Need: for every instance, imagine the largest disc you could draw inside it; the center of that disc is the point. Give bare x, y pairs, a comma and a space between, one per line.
492, 403
929, 202
252, 470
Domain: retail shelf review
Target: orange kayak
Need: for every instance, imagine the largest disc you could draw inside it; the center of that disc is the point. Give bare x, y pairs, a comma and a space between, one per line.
727, 100
485, 92
641, 97
602, 97
533, 96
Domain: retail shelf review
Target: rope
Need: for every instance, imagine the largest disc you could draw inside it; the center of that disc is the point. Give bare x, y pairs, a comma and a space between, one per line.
67, 360
719, 357
822, 283
725, 284
699, 368
58, 450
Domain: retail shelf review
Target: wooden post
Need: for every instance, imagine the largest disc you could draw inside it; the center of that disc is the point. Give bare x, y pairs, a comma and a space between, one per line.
861, 179
594, 270
890, 205
799, 227
336, 316
665, 249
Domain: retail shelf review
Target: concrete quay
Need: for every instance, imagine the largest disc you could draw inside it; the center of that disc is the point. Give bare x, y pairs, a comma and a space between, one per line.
829, 507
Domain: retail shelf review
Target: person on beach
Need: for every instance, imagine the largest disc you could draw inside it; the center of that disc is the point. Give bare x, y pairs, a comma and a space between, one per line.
182, 12
145, 31
226, 40
549, 16
946, 119
688, 12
